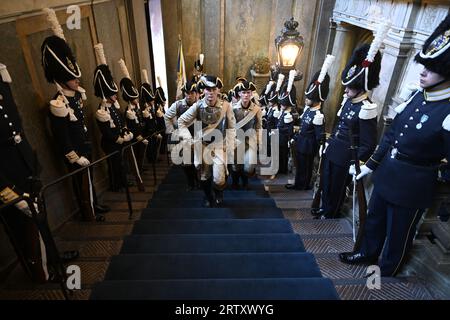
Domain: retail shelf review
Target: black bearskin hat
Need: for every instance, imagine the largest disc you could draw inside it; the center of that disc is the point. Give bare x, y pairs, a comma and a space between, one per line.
160, 97
435, 54
286, 98
58, 61
318, 92
129, 91
147, 92
104, 85
354, 74
210, 81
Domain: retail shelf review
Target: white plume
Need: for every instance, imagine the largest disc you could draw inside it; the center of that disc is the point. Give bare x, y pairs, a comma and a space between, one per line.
159, 81
54, 23
382, 31
325, 67
100, 53
201, 58
4, 74
280, 82
124, 69
292, 75
269, 86
144, 76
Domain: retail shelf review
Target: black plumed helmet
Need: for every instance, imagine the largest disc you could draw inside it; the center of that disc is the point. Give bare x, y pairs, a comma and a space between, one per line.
435, 54
160, 97
318, 92
147, 93
354, 74
129, 91
104, 85
58, 61
286, 98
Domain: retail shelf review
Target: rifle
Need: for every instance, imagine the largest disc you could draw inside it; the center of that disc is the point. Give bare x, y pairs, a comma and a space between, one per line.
315, 206
358, 190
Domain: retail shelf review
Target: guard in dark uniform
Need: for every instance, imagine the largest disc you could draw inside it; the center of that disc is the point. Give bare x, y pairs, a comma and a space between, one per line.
357, 115
307, 140
405, 164
67, 121
175, 111
248, 136
214, 114
19, 177
135, 123
273, 112
110, 122
160, 109
285, 125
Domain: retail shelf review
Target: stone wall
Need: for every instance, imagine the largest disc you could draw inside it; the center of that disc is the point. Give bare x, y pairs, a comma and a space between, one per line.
232, 33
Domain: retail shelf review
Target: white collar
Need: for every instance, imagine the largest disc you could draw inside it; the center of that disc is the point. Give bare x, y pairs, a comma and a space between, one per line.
438, 95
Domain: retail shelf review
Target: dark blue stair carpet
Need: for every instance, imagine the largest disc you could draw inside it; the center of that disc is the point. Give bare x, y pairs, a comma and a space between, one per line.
199, 194
212, 266
216, 243
217, 289
219, 226
197, 203
212, 213
179, 187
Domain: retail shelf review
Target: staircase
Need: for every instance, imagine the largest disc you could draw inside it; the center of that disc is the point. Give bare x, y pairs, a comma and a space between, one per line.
244, 250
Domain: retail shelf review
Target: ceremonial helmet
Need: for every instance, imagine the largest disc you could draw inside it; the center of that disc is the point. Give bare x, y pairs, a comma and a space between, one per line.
362, 72
129, 91
146, 90
58, 60
319, 86
435, 54
104, 85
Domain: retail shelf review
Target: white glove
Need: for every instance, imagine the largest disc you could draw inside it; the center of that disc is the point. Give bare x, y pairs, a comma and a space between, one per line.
352, 170
290, 143
145, 141
82, 161
321, 146
365, 170
23, 206
271, 133
159, 136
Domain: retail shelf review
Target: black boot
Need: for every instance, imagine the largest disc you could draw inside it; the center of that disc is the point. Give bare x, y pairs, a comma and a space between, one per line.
234, 180
207, 189
219, 197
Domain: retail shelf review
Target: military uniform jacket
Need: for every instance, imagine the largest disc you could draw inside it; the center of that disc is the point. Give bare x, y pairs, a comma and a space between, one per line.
407, 159
67, 124
173, 113
271, 119
209, 116
307, 140
285, 125
111, 125
135, 120
359, 115
18, 163
240, 113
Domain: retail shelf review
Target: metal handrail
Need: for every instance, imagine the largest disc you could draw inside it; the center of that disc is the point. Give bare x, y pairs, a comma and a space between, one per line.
40, 220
